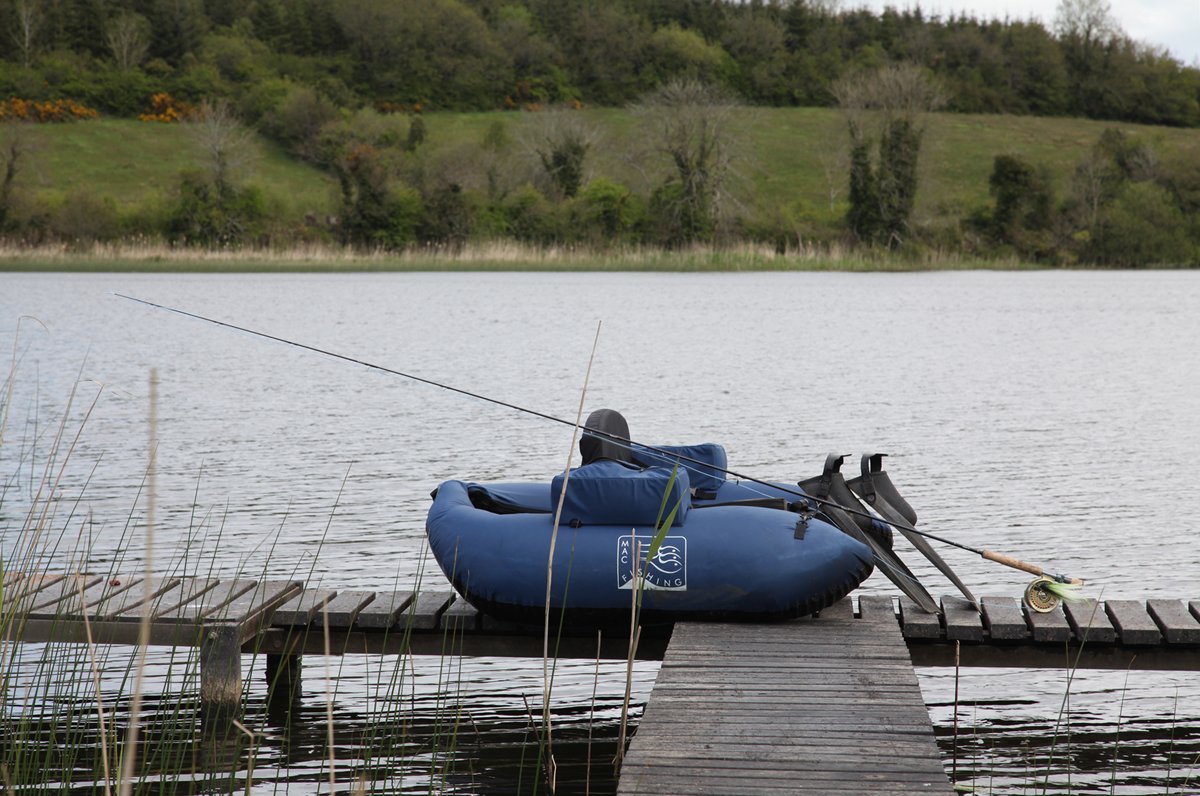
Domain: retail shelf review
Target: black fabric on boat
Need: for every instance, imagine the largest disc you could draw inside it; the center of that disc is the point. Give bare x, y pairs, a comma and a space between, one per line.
593, 448
484, 500
759, 503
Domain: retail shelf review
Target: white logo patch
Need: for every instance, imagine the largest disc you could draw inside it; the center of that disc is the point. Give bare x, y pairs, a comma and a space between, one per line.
667, 571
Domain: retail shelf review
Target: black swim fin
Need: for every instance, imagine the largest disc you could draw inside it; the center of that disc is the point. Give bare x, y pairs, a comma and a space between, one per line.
877, 492
830, 488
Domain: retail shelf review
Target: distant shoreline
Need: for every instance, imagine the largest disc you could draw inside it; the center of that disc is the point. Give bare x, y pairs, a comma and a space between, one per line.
498, 256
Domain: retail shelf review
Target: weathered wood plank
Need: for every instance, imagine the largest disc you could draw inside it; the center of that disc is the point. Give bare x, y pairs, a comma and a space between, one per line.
1178, 626
63, 597
1132, 622
249, 607
187, 592
426, 611
1050, 627
963, 621
302, 608
842, 609
341, 611
131, 599
918, 624
1003, 618
29, 588
877, 608
206, 603
460, 616
384, 610
1089, 622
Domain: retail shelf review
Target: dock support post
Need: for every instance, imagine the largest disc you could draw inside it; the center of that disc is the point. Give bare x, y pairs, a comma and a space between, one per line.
221, 671
283, 674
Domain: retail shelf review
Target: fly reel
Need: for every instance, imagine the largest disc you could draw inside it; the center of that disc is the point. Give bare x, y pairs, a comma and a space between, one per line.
1039, 598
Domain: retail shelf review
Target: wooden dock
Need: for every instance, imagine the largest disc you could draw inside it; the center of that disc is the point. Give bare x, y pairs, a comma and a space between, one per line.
824, 705
830, 705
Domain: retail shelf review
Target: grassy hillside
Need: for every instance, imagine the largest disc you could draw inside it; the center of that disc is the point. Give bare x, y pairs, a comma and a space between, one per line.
788, 157
798, 154
134, 162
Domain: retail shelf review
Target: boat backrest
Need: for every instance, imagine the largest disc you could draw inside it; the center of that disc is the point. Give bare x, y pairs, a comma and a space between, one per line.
706, 476
611, 493
593, 447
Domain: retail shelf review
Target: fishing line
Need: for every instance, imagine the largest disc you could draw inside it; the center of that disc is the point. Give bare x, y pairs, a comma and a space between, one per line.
695, 465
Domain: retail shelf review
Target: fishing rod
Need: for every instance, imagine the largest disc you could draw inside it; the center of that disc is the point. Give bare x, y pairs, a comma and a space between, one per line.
629, 444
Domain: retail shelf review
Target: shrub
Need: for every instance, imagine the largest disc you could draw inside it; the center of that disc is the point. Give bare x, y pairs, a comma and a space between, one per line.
1141, 227
60, 110
165, 108
298, 118
529, 216
208, 215
606, 210
449, 216
82, 218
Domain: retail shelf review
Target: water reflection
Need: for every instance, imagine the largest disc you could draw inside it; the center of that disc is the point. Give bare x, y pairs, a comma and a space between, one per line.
394, 735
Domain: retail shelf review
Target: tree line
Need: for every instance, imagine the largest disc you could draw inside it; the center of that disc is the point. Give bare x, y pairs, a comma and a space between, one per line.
343, 84
490, 54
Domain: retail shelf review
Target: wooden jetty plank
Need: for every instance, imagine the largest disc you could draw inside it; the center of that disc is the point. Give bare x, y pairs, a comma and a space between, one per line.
63, 596
302, 608
185, 591
1132, 622
963, 621
426, 611
1089, 622
202, 603
1177, 625
876, 607
248, 608
28, 589
132, 597
842, 609
826, 705
384, 610
341, 611
460, 616
1003, 618
1049, 627
95, 594
918, 624
11, 576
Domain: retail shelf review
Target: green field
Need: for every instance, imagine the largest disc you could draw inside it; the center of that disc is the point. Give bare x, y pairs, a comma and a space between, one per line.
791, 158
134, 162
787, 155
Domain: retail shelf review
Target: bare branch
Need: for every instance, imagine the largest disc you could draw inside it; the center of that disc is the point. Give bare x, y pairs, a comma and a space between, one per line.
128, 38
227, 145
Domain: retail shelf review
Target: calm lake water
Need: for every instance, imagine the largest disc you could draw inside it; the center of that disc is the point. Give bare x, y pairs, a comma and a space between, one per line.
1052, 416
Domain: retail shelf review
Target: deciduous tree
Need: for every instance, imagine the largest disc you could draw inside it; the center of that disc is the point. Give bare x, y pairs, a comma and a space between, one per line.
886, 105
693, 125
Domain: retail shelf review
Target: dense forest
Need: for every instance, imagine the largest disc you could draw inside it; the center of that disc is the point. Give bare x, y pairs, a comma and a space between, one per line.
345, 85
489, 54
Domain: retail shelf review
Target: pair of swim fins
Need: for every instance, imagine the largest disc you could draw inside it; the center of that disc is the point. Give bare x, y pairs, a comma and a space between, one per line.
868, 507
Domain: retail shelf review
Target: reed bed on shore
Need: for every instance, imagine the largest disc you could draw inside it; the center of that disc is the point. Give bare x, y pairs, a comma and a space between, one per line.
152, 257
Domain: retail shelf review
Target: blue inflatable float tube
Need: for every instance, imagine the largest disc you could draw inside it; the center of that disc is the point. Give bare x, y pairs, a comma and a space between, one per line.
719, 562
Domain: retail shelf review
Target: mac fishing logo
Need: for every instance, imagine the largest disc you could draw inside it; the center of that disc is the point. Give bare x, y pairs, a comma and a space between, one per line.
667, 571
